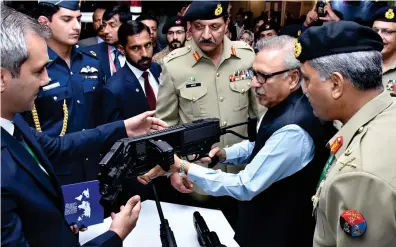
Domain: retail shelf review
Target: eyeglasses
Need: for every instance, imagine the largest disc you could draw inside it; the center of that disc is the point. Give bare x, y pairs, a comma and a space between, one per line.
262, 77
385, 32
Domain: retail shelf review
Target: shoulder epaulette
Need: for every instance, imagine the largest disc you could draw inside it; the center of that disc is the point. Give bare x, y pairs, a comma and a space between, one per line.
177, 53
241, 45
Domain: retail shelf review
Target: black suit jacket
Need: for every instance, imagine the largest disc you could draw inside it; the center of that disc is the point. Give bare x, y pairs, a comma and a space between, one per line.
32, 204
123, 97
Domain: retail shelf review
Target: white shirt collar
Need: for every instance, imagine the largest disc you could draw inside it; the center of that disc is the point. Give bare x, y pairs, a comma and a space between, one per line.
99, 39
137, 72
7, 125
112, 48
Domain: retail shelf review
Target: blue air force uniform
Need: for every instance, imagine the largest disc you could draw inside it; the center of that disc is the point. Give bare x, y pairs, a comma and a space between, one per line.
68, 103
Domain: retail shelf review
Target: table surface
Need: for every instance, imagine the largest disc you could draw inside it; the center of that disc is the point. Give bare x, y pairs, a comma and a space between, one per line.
180, 218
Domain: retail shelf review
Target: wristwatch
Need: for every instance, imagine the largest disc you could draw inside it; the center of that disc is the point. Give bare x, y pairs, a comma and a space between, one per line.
182, 169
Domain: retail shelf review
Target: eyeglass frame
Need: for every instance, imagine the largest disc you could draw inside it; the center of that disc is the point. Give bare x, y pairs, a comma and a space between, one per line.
266, 76
385, 31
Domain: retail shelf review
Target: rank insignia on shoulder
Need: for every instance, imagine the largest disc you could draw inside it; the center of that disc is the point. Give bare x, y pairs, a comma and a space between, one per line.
93, 53
233, 52
336, 145
196, 56
353, 223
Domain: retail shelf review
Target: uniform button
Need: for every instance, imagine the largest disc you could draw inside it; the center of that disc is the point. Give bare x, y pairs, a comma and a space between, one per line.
93, 88
348, 152
360, 130
189, 47
248, 84
86, 159
55, 98
83, 129
137, 90
221, 99
78, 102
194, 99
217, 74
224, 123
71, 73
243, 90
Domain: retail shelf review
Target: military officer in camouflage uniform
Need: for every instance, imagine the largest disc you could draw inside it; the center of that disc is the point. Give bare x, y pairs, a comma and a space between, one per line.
385, 25
175, 30
355, 202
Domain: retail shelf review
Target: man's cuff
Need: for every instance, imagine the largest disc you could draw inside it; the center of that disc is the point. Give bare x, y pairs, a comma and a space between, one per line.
196, 174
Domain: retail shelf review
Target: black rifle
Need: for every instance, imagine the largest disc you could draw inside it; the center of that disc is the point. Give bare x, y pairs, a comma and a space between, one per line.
131, 157
205, 237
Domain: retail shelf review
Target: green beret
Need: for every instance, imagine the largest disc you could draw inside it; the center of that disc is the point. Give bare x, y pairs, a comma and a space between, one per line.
68, 4
387, 14
206, 10
174, 21
335, 38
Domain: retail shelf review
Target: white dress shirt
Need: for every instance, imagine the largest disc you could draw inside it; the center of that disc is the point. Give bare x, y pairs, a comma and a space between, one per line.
121, 58
139, 75
239, 30
9, 127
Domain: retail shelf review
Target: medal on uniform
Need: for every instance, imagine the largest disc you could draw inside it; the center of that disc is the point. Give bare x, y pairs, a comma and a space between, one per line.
334, 147
390, 86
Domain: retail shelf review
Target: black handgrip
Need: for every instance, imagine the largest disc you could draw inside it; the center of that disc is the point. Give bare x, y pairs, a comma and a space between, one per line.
214, 161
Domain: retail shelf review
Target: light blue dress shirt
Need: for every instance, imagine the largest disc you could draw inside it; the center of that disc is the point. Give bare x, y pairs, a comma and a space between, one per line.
286, 152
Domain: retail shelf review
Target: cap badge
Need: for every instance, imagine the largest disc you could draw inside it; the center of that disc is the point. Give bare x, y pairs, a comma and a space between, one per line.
218, 10
390, 14
178, 22
353, 223
93, 53
297, 48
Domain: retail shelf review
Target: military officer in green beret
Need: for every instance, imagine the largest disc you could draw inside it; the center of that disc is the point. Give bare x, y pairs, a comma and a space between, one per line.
175, 30
355, 201
385, 26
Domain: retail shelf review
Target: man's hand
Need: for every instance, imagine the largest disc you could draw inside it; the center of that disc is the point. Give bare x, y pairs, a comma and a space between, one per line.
330, 15
181, 184
125, 221
75, 230
143, 123
158, 171
219, 152
311, 17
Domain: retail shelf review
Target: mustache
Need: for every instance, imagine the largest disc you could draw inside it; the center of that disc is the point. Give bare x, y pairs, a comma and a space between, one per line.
259, 91
175, 41
207, 41
144, 59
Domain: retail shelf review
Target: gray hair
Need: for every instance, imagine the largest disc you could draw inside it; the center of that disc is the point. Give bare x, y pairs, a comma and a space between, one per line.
363, 69
285, 43
14, 28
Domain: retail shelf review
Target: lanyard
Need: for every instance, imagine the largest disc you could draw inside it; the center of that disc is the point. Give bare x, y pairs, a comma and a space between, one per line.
326, 169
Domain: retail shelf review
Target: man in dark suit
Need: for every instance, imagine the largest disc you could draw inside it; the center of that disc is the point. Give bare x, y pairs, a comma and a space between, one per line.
97, 27
133, 89
110, 57
32, 205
